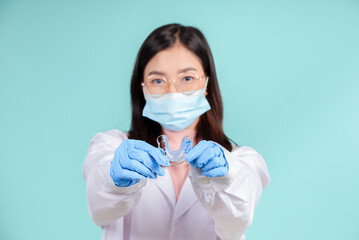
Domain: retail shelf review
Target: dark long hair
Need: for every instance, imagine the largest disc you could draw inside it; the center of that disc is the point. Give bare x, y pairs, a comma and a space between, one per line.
209, 126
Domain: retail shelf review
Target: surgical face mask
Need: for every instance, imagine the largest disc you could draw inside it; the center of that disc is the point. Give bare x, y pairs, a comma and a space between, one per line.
176, 111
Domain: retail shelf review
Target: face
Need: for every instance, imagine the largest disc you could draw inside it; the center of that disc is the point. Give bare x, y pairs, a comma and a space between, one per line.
173, 61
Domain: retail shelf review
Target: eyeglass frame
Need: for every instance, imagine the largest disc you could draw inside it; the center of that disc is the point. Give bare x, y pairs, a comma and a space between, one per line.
143, 84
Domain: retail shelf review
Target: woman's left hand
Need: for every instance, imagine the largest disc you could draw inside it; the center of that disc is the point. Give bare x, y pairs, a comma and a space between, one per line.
209, 157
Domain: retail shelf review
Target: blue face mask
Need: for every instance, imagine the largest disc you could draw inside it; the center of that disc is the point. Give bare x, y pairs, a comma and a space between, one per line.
176, 111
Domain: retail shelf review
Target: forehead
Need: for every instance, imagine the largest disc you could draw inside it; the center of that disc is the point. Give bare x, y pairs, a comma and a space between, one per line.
173, 59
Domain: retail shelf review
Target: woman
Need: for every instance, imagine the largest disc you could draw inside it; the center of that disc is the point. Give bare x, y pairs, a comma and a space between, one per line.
134, 191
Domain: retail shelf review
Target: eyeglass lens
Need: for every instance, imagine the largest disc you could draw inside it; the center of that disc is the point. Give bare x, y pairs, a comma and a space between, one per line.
186, 83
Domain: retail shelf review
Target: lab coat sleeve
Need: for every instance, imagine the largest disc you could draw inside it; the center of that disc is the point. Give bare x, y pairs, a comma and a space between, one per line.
107, 202
231, 199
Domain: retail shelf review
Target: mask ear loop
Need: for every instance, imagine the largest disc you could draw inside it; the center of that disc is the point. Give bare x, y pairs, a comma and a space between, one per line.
205, 86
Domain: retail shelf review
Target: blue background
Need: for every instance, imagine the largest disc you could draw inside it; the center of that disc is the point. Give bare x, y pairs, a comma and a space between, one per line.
288, 72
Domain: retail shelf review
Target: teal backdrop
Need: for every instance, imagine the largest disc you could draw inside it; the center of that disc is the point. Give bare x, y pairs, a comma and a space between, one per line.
288, 72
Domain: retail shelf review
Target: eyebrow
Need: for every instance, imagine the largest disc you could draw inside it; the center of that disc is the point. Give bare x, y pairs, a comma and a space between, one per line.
180, 71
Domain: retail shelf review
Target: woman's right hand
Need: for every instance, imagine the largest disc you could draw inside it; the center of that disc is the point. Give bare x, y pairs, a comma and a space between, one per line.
135, 160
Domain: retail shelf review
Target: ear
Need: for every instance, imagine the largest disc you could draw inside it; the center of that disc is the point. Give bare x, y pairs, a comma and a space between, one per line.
206, 93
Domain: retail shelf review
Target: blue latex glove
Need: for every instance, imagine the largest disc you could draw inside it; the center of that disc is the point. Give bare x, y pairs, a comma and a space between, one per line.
135, 160
209, 157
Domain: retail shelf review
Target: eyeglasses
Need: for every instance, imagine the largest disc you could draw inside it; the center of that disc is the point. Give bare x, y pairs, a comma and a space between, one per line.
186, 83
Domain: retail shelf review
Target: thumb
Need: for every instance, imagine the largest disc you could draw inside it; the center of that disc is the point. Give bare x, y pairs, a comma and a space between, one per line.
196, 151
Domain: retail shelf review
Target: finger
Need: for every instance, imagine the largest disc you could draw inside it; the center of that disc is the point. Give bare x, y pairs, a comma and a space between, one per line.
196, 151
159, 157
211, 152
147, 160
215, 162
128, 174
125, 182
205, 157
156, 153
143, 170
216, 172
188, 145
156, 167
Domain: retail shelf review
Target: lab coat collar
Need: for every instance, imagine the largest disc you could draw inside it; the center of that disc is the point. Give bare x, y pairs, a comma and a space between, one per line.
164, 183
186, 198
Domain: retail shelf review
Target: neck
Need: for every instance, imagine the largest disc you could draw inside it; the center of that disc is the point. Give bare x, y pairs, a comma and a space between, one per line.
175, 138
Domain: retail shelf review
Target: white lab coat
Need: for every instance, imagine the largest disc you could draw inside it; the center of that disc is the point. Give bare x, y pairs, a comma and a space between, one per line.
207, 208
